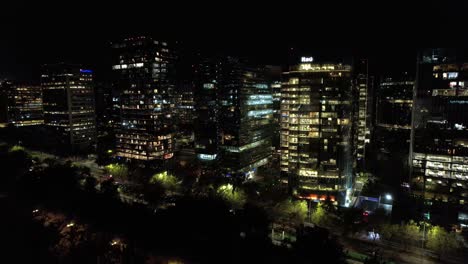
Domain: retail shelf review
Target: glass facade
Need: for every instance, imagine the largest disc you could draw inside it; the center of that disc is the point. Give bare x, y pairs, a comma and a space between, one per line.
68, 100
144, 68
235, 116
439, 150
206, 111
363, 117
184, 113
393, 114
316, 125
246, 117
25, 105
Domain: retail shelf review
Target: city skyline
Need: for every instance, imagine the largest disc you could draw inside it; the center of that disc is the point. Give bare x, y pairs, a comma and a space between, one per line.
136, 133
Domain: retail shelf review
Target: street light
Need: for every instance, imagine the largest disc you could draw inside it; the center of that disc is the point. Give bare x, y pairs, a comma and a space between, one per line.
386, 201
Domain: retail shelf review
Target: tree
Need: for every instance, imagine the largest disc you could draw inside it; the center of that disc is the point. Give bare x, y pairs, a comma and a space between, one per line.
320, 215
16, 148
389, 231
119, 171
409, 233
15, 163
236, 198
169, 182
109, 188
293, 211
442, 242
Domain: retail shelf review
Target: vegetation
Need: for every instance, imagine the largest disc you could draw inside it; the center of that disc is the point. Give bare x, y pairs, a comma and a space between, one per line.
290, 210
235, 198
320, 216
442, 242
167, 181
437, 238
119, 171
16, 148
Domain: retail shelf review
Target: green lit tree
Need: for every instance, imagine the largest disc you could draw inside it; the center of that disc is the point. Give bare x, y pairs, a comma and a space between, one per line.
292, 211
389, 231
16, 148
235, 197
118, 171
442, 242
169, 182
320, 215
409, 233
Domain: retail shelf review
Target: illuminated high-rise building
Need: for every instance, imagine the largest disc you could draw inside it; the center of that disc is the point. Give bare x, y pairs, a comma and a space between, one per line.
363, 117
393, 113
234, 108
25, 105
391, 134
144, 67
316, 126
245, 118
69, 110
439, 136
103, 97
184, 112
273, 77
206, 112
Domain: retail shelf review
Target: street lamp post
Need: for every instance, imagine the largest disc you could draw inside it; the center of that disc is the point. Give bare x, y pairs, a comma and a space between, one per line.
388, 197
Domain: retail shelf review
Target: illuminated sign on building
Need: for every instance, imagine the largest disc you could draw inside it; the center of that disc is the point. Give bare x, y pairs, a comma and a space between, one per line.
207, 156
307, 59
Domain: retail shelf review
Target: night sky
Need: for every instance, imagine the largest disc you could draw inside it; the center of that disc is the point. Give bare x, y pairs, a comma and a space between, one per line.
80, 32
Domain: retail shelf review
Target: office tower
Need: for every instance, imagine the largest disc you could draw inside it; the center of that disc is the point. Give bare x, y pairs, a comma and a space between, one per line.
206, 111
103, 99
391, 137
245, 118
316, 125
364, 85
144, 68
25, 105
439, 137
234, 116
68, 100
184, 112
393, 113
276, 92
273, 77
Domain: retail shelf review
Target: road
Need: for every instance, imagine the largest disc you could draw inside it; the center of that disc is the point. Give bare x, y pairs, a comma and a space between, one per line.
395, 252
